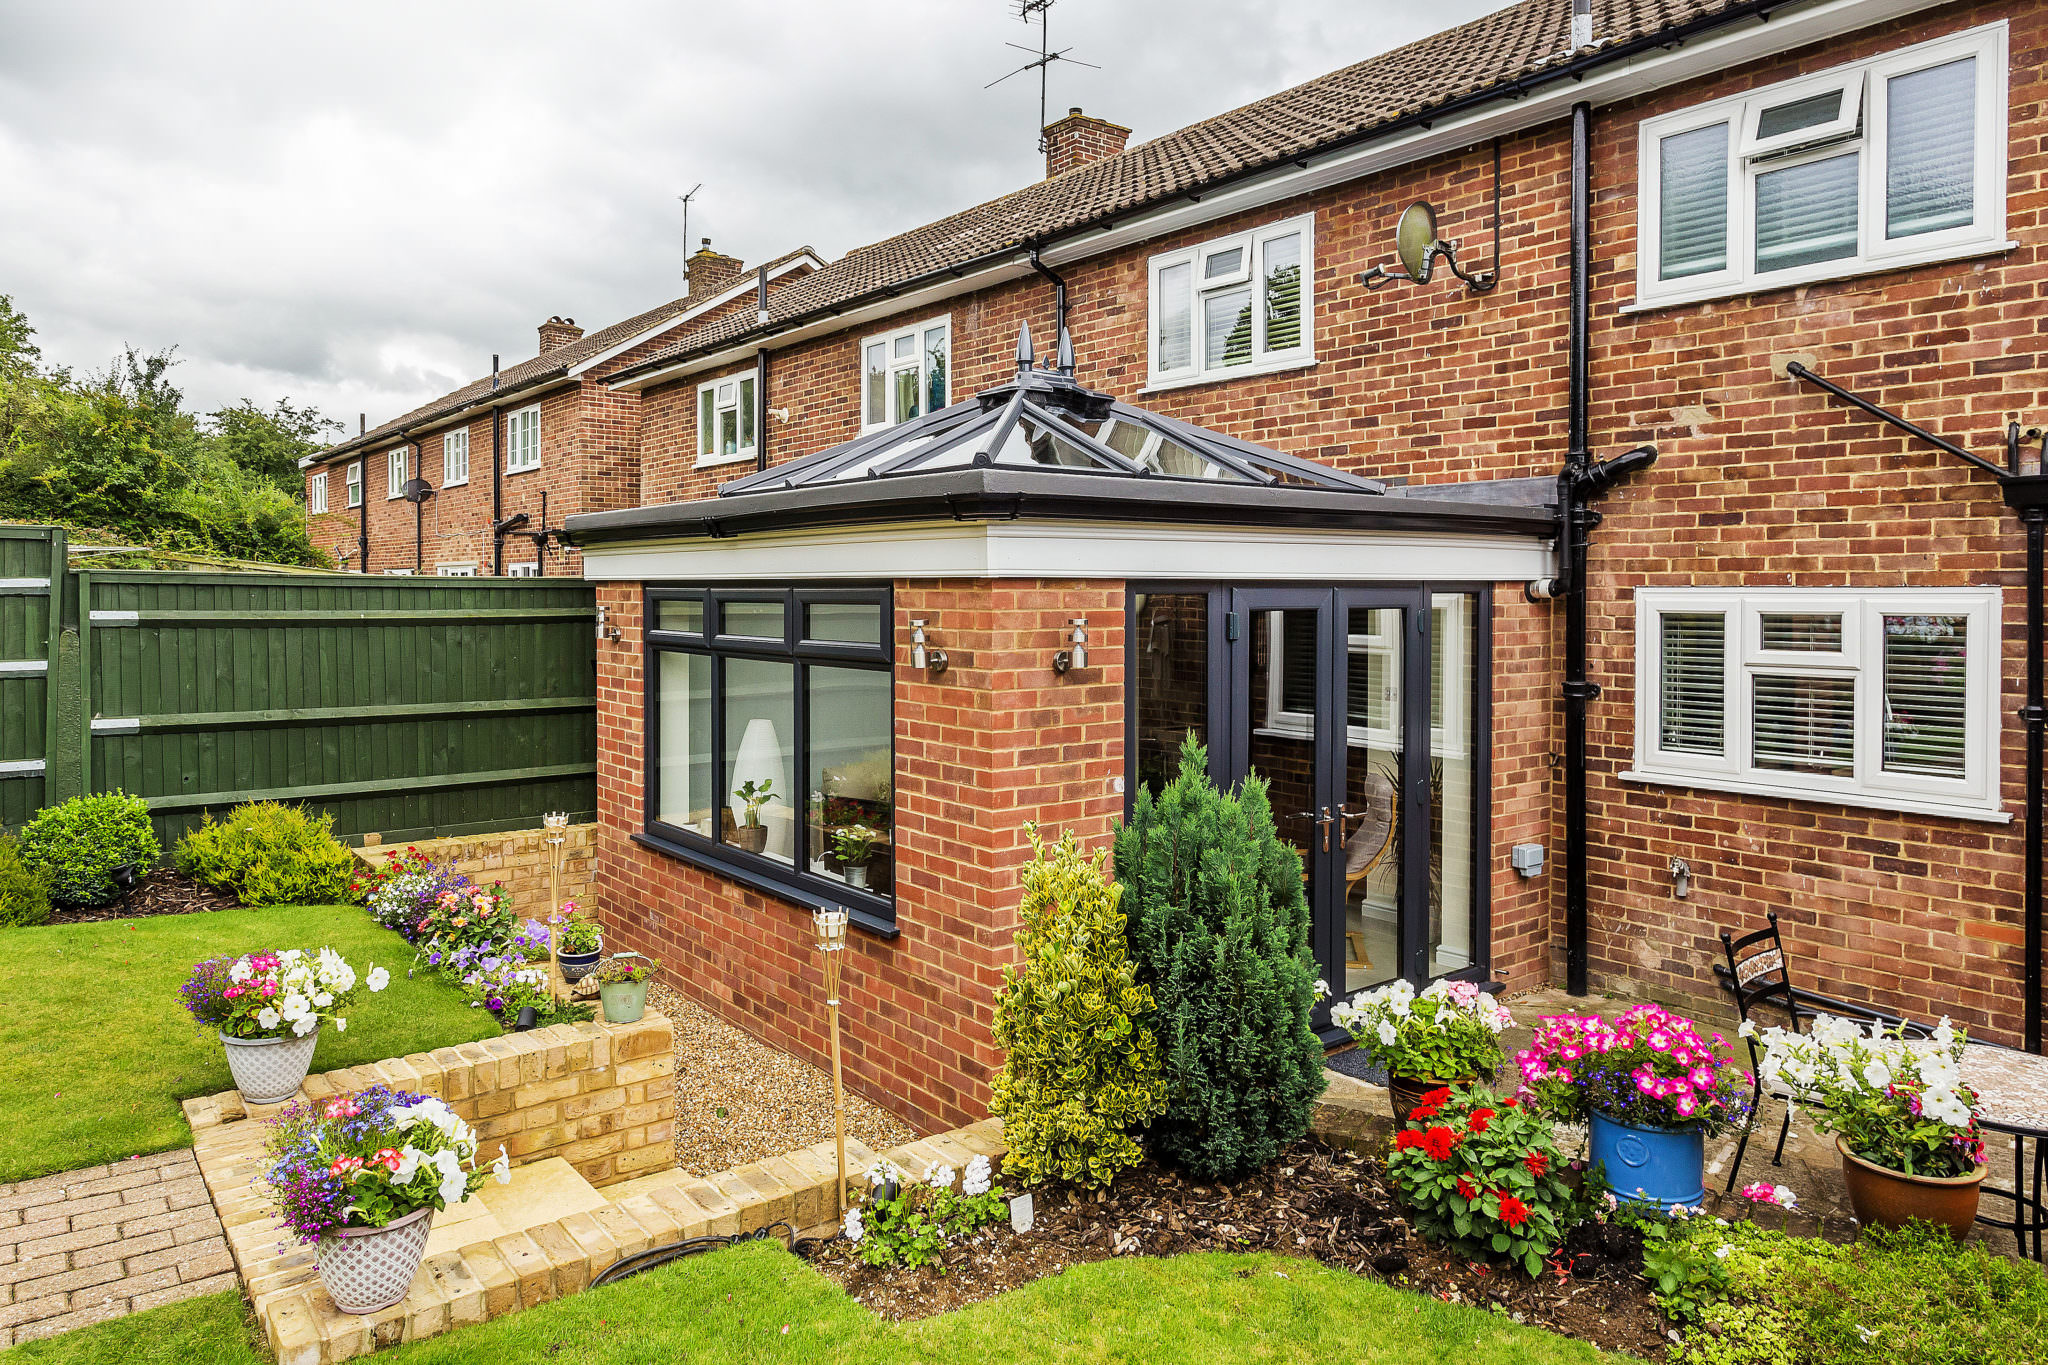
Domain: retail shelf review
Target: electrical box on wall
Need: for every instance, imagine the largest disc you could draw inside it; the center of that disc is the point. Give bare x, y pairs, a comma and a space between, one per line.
1527, 859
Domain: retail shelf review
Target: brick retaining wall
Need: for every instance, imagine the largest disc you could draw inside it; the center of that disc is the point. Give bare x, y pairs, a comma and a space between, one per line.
518, 858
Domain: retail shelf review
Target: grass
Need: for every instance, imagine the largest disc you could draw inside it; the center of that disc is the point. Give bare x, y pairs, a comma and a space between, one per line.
96, 1049
757, 1303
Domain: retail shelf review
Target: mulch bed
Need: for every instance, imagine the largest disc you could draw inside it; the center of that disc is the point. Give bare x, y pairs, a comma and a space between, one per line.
165, 891
1317, 1201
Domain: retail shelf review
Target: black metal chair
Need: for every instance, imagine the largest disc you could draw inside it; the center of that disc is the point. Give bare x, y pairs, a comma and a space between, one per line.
1759, 975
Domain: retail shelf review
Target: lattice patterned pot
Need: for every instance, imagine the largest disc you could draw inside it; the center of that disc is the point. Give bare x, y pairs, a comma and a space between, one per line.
269, 1070
369, 1269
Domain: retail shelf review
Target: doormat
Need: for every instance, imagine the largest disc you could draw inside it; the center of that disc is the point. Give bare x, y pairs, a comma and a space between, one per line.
1353, 1062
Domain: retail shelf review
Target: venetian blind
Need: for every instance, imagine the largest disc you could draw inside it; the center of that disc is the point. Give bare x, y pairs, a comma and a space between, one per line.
1692, 703
1930, 152
1926, 694
1692, 214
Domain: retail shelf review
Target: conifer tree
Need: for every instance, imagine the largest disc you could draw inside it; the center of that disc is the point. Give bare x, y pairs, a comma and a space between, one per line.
1220, 931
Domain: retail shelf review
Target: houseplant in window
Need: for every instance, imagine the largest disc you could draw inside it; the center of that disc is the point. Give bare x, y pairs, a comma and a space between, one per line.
1903, 1120
268, 1008
751, 834
855, 847
361, 1176
623, 982
579, 943
1650, 1088
1447, 1034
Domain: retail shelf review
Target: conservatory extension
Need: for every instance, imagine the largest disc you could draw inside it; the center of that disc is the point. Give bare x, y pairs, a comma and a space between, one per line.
859, 676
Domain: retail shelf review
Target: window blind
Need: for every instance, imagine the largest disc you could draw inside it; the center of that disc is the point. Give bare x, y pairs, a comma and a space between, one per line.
1227, 328
1804, 724
1926, 694
1931, 133
1693, 703
1806, 214
1692, 216
1176, 320
1298, 662
707, 440
1817, 632
1282, 264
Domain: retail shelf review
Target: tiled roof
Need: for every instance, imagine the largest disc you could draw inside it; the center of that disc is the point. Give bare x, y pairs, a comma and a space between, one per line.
1502, 47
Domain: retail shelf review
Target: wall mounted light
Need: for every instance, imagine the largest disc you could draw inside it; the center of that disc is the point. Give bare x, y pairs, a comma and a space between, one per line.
605, 629
1076, 657
922, 654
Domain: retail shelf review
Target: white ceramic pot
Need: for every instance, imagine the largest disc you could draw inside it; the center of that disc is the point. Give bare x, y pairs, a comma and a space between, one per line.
367, 1270
269, 1070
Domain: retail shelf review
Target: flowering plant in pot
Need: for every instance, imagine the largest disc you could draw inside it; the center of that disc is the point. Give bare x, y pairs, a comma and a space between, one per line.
622, 984
579, 943
855, 847
1481, 1174
1448, 1032
1651, 1089
268, 1008
1903, 1121
361, 1176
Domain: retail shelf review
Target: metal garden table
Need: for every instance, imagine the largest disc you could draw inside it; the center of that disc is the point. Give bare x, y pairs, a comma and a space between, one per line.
2012, 1092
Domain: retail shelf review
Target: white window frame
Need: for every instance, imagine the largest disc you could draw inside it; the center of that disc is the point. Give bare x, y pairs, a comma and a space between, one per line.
1250, 271
462, 570
453, 444
1864, 84
395, 472
734, 393
528, 569
892, 366
354, 484
316, 493
1974, 796
522, 440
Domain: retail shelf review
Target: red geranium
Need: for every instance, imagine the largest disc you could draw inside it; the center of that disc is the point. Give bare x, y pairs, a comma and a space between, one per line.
1513, 1211
1537, 1162
1423, 1113
1467, 1186
1439, 1143
1406, 1139
1480, 1118
1438, 1097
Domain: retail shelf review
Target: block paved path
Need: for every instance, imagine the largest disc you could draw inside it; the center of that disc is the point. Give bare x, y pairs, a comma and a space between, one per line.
84, 1246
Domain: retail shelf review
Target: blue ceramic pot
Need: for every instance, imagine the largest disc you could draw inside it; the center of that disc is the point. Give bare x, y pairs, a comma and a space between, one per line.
1662, 1166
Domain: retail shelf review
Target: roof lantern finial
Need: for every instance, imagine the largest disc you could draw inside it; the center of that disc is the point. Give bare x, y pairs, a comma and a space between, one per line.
1025, 355
1064, 361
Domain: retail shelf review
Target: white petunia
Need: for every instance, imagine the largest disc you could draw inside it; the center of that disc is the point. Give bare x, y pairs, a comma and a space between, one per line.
304, 1025
1878, 1075
502, 1167
1388, 1033
241, 971
340, 1025
409, 1159
453, 1178
323, 1000
269, 1018
1786, 1199
378, 979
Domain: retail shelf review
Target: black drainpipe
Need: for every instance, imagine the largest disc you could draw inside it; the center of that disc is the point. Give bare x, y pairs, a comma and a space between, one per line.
761, 372
1582, 480
2028, 496
497, 487
363, 492
1059, 295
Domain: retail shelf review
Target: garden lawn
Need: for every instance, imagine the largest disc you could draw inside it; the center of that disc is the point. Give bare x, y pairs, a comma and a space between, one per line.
757, 1303
96, 1049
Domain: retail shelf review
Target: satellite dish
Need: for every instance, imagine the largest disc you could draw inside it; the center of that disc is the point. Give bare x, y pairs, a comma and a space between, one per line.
1413, 238
417, 490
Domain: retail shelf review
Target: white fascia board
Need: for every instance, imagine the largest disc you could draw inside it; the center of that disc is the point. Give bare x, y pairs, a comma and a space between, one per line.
747, 285
526, 397
1076, 549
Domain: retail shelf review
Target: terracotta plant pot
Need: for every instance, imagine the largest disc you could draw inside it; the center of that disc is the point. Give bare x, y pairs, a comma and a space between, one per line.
1888, 1198
1405, 1092
751, 838
367, 1270
269, 1070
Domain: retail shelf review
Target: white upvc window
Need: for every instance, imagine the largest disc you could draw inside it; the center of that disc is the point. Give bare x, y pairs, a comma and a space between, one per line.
1235, 306
465, 570
355, 484
1896, 161
1873, 697
455, 457
530, 569
725, 420
316, 492
522, 440
904, 373
394, 472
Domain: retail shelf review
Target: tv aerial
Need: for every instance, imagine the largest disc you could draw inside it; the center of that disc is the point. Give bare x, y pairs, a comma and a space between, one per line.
1042, 62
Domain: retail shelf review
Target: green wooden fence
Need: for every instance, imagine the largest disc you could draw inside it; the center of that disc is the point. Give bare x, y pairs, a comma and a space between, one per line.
406, 706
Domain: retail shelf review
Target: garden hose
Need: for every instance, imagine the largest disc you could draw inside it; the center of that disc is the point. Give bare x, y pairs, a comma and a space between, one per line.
675, 1251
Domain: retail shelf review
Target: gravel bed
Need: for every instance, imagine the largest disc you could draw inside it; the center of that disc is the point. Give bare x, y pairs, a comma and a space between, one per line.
740, 1100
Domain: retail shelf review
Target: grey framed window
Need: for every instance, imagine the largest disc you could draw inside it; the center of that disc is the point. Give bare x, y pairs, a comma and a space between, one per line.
770, 744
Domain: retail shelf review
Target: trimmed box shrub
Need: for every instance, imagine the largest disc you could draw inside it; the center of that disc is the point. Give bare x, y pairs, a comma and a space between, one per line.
1220, 931
24, 892
267, 853
1083, 1068
78, 844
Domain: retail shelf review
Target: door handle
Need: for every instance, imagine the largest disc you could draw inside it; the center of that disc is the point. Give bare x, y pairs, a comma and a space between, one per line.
1321, 815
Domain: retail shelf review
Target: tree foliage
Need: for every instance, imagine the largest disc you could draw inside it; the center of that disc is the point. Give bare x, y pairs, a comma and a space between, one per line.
1220, 931
118, 452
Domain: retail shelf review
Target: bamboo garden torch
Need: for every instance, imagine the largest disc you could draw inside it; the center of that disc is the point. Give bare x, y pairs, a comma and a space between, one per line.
557, 823
832, 944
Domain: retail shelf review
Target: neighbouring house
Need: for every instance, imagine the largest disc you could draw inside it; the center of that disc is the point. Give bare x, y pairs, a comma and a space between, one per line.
1571, 616
479, 481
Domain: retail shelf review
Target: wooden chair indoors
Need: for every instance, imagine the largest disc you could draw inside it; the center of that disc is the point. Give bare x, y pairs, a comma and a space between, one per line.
1367, 850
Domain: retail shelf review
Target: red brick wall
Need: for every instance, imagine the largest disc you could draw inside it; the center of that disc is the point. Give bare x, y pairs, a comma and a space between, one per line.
997, 741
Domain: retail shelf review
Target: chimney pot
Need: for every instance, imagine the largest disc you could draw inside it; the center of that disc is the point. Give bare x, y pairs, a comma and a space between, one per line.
558, 331
711, 271
1078, 139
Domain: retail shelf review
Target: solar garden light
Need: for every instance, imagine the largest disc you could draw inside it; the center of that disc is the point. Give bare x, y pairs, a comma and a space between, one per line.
831, 926
557, 823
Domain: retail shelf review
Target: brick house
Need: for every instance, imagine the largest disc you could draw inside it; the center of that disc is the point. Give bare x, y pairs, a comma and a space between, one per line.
521, 448
1318, 522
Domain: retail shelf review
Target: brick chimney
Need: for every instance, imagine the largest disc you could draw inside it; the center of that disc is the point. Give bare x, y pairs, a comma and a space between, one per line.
711, 271
558, 331
1078, 139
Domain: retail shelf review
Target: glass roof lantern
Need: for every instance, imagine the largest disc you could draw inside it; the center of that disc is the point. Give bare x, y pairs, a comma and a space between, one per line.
1044, 419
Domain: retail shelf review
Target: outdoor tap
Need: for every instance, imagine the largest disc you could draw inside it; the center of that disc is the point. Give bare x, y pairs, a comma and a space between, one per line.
1681, 879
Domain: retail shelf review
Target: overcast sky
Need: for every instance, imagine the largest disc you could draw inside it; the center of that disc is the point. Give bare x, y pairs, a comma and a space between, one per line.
355, 205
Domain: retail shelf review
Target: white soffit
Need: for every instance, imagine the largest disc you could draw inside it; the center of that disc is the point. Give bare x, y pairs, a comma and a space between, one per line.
1075, 549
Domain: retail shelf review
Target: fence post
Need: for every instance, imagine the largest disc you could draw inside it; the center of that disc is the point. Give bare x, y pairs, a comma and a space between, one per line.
63, 763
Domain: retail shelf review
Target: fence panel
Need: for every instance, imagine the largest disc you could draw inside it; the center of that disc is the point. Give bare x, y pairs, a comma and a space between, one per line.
405, 706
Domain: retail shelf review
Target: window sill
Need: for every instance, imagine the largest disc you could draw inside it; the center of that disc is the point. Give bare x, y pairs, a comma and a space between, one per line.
1819, 274
720, 461
456, 483
523, 469
1236, 372
1913, 805
732, 869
